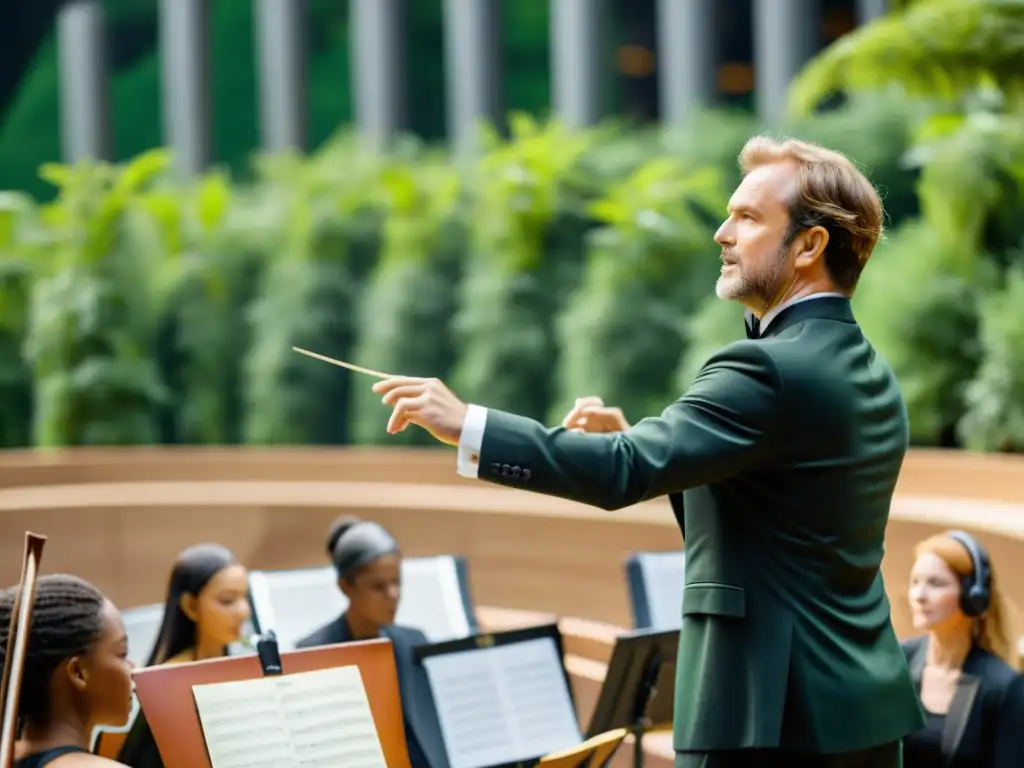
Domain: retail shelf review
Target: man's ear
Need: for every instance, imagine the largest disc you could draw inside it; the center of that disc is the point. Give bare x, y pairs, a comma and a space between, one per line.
344, 586
189, 606
811, 246
78, 672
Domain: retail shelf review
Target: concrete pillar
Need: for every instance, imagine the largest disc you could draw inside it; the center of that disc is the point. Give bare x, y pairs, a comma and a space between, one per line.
377, 29
281, 67
578, 59
184, 43
869, 10
787, 33
84, 117
687, 56
472, 46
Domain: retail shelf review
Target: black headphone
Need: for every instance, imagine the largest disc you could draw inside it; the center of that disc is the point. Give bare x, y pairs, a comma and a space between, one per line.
975, 588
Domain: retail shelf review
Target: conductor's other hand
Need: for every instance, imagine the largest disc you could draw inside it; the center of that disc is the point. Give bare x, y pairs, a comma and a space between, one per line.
428, 403
590, 414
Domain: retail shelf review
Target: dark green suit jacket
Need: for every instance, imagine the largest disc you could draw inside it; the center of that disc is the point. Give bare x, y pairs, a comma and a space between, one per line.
787, 449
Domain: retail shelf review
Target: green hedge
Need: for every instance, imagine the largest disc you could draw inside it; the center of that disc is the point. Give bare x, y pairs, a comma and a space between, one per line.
137, 309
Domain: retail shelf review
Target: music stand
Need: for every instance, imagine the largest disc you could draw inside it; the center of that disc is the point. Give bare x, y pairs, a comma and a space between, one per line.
511, 685
592, 753
166, 699
639, 688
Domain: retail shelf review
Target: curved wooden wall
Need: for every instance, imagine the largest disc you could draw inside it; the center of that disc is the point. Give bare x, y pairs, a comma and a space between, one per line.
119, 517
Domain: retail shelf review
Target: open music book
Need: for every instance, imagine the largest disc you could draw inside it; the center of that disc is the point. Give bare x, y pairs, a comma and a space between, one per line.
318, 719
502, 699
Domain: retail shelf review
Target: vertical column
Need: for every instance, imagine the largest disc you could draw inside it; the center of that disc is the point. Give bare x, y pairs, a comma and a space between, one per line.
184, 44
281, 64
687, 56
472, 43
787, 33
869, 10
378, 67
577, 59
84, 120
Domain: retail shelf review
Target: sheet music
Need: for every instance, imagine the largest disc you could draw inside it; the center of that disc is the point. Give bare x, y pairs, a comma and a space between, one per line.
316, 719
665, 576
502, 704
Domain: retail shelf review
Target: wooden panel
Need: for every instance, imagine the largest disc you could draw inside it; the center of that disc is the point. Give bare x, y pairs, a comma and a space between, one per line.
119, 518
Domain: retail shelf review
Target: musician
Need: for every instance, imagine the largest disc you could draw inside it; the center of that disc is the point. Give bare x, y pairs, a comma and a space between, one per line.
368, 563
206, 610
76, 674
965, 662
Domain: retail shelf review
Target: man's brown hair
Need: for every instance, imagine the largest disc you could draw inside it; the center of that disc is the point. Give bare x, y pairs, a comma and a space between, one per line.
831, 193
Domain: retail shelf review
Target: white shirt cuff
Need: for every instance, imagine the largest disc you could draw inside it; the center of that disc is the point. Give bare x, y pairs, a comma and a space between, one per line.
472, 441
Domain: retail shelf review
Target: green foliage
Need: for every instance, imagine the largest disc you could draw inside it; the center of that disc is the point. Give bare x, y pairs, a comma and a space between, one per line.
320, 242
140, 308
413, 291
526, 252
994, 416
621, 332
88, 339
716, 324
918, 305
940, 49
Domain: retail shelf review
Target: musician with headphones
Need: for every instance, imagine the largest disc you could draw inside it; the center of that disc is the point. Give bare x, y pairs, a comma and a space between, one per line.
965, 665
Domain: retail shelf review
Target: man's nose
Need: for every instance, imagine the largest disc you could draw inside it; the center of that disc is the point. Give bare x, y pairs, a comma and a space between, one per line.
724, 235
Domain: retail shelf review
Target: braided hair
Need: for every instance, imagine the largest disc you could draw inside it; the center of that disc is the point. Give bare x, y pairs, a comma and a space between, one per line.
67, 618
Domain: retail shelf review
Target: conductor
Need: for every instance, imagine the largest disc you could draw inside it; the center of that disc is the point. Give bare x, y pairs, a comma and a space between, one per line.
780, 462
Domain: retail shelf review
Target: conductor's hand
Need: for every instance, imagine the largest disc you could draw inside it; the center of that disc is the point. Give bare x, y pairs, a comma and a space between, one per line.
428, 403
590, 414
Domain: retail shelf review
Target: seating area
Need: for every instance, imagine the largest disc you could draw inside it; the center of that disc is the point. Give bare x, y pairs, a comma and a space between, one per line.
479, 558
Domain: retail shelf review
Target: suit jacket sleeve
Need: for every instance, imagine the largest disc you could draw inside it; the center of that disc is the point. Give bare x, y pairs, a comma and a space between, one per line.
728, 421
1008, 751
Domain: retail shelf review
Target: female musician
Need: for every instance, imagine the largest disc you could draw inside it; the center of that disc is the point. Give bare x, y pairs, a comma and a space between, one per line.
368, 563
206, 610
965, 664
207, 606
76, 674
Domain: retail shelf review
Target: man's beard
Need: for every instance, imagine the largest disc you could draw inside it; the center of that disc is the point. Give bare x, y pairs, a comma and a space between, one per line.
757, 287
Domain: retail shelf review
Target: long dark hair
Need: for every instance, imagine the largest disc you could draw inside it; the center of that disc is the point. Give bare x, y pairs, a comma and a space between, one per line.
192, 571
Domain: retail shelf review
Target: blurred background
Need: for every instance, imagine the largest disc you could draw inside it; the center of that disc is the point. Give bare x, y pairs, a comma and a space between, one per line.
517, 197
455, 188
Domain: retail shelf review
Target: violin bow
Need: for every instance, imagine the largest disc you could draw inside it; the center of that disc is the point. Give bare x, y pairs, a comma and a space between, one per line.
17, 646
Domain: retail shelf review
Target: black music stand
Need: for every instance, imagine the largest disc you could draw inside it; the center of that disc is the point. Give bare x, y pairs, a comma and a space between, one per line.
639, 689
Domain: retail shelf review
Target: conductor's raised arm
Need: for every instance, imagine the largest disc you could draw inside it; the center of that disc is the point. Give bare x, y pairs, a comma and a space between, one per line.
728, 420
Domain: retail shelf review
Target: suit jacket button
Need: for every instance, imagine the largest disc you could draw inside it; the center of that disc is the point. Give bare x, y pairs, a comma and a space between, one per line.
506, 470
527, 474
516, 471
496, 468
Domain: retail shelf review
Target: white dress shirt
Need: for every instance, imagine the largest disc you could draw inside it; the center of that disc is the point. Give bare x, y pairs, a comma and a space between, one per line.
472, 439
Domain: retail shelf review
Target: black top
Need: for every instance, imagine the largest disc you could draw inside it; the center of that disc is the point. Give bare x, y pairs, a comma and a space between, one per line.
924, 747
39, 759
983, 727
424, 741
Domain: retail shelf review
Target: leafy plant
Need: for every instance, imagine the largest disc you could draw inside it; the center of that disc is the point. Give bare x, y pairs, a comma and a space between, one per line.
412, 293
940, 49
98, 292
16, 214
520, 266
993, 419
321, 242
918, 304
716, 324
621, 332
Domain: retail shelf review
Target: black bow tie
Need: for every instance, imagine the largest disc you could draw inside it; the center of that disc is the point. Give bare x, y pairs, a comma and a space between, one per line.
753, 327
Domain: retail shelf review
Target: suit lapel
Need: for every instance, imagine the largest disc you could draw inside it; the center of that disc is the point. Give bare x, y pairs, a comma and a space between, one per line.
959, 708
916, 661
958, 715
